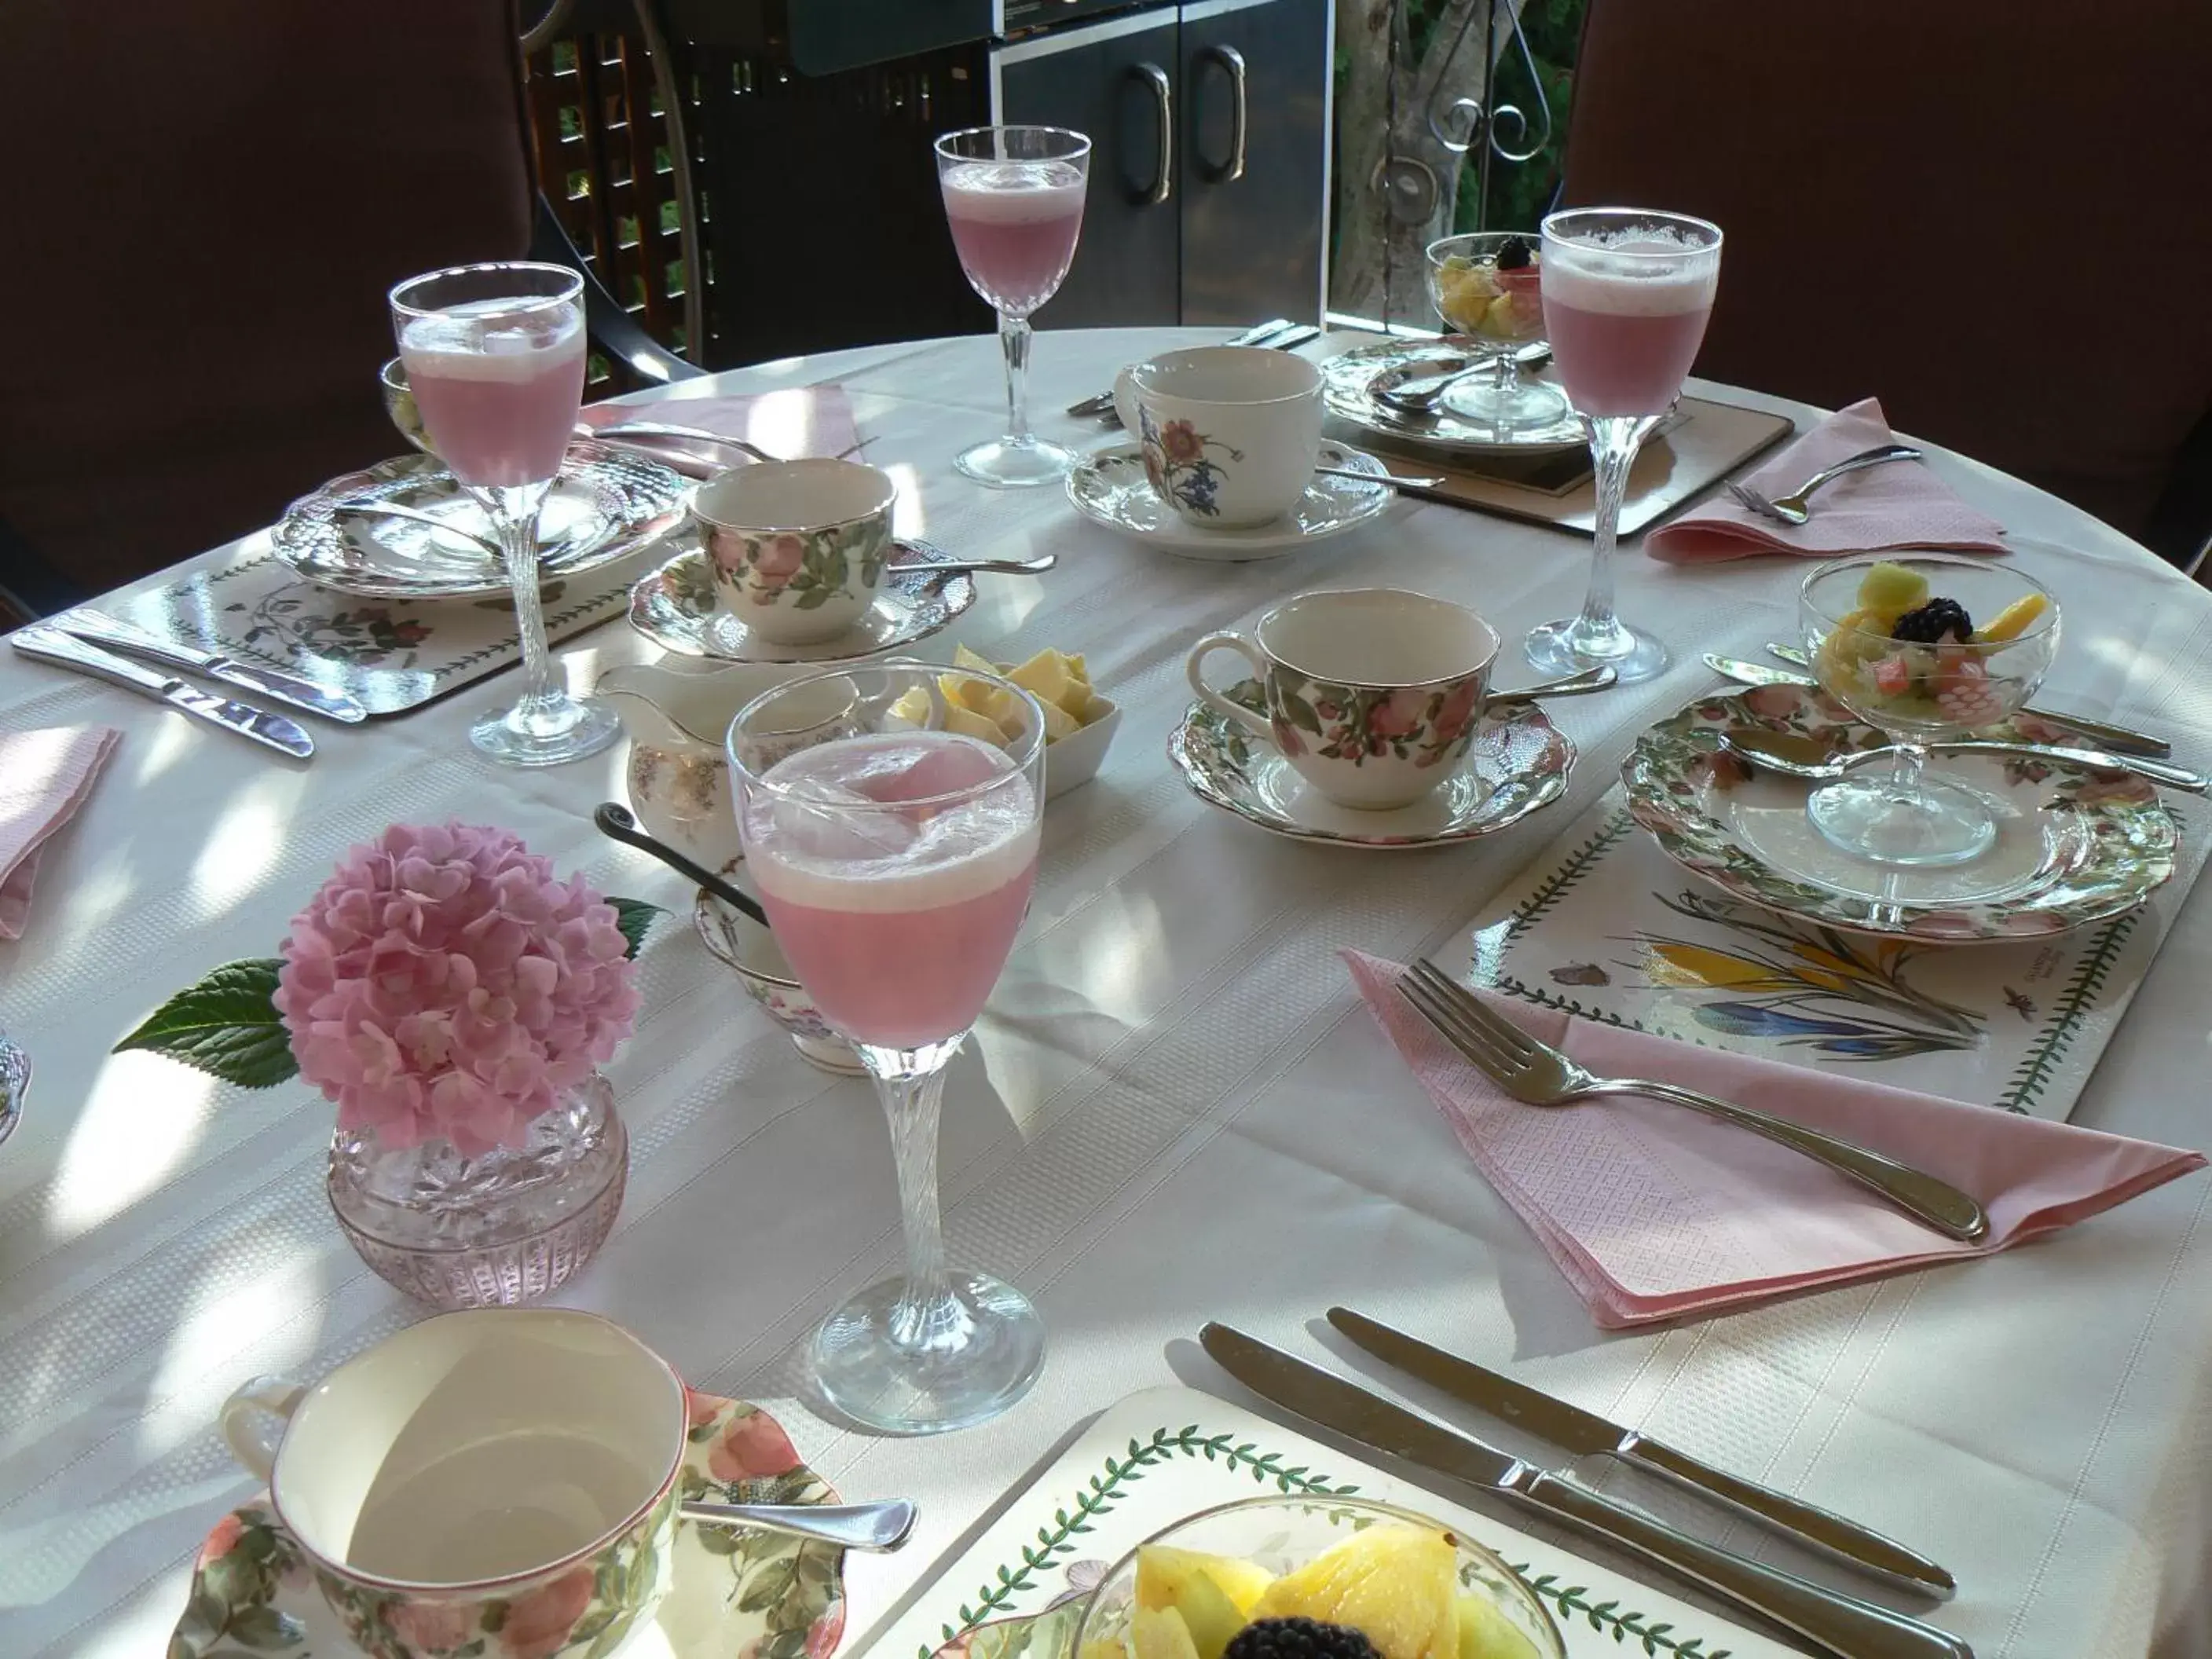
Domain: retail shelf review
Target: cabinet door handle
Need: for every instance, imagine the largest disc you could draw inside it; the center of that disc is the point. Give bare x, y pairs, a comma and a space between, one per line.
1233, 61
1163, 98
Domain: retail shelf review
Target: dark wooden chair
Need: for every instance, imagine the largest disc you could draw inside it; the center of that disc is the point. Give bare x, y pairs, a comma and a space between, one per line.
1990, 213
196, 280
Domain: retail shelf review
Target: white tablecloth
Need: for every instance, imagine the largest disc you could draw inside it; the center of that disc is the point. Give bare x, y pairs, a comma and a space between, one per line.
1175, 1109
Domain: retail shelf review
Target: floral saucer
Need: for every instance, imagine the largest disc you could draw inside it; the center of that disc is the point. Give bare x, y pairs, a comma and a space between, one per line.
2073, 845
675, 608
736, 1593
607, 504
1108, 488
1519, 762
1349, 380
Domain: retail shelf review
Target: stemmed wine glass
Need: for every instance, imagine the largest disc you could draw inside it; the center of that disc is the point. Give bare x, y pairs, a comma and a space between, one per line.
1627, 294
495, 357
895, 861
1014, 198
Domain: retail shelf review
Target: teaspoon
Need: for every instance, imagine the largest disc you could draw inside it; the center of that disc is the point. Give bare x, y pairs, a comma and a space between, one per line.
880, 1526
1811, 759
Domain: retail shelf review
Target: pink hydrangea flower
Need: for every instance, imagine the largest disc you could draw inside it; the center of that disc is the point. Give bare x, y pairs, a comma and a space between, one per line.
444, 983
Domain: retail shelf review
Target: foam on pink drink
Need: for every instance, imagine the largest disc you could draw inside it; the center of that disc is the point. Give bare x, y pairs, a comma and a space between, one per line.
1625, 324
897, 921
498, 390
1015, 224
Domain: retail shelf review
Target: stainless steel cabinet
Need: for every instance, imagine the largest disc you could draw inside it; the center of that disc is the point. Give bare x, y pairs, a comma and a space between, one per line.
1209, 180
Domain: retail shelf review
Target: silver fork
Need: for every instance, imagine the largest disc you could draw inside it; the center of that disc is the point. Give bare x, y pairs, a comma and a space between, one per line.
1791, 510
1536, 1074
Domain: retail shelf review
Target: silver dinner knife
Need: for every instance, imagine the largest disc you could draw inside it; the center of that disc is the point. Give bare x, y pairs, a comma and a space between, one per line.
136, 642
1836, 1624
1582, 1433
49, 644
2124, 739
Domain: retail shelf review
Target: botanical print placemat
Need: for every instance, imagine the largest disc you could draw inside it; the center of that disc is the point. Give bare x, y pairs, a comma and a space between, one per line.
393, 656
1168, 1453
1606, 926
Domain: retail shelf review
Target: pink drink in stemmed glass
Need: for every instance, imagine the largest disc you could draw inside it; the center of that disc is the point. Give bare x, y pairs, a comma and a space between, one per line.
1015, 224
1627, 292
895, 860
494, 359
856, 907
1013, 200
504, 408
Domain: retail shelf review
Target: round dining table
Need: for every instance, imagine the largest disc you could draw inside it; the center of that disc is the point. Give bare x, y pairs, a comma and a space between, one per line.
1174, 1110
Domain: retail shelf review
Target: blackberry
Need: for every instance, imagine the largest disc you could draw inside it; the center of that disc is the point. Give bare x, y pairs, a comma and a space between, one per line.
1513, 254
1930, 624
1297, 1639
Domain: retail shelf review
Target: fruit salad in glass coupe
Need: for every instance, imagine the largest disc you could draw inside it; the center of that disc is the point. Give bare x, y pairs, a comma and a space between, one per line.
1488, 288
1926, 648
1321, 1577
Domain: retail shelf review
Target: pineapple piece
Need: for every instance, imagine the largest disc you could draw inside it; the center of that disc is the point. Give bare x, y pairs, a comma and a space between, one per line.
1497, 318
2013, 620
1486, 1633
1160, 1633
1179, 1579
1162, 1569
1397, 1584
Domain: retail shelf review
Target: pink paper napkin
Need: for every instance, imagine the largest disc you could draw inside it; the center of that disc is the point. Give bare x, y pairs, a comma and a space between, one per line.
789, 422
1899, 504
45, 777
1654, 1212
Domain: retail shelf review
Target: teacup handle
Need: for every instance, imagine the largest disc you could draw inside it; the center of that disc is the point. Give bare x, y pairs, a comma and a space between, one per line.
254, 1419
1193, 671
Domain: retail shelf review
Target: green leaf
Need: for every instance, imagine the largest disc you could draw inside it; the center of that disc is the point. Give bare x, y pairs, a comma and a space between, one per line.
1301, 713
265, 1627
224, 1025
717, 1540
634, 917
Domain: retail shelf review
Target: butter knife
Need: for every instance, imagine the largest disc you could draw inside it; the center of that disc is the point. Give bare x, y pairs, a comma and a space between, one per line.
2125, 739
50, 644
136, 642
1836, 1624
1580, 1433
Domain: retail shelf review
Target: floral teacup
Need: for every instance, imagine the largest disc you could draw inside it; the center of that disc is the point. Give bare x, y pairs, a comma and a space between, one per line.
797, 548
1230, 435
482, 1476
1372, 694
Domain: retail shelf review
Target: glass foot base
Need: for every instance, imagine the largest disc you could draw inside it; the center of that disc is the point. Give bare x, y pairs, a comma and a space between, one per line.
969, 1359
1571, 645
552, 732
1949, 824
1518, 404
1015, 463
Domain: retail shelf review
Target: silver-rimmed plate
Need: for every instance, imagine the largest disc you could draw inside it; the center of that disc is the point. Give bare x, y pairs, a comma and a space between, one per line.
1519, 762
674, 607
1351, 379
2074, 846
606, 505
1108, 488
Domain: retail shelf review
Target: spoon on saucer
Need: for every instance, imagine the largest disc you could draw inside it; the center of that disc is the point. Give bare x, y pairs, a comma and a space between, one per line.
1567, 685
1421, 396
1796, 757
1388, 480
883, 1525
1043, 562
615, 822
656, 429
388, 510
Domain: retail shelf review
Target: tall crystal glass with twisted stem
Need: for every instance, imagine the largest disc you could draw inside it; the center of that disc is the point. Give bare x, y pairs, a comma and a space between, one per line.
495, 357
895, 861
1014, 198
1627, 293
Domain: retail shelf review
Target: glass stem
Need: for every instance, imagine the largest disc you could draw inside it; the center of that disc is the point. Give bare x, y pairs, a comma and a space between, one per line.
911, 1083
1904, 780
1014, 341
514, 516
1614, 440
